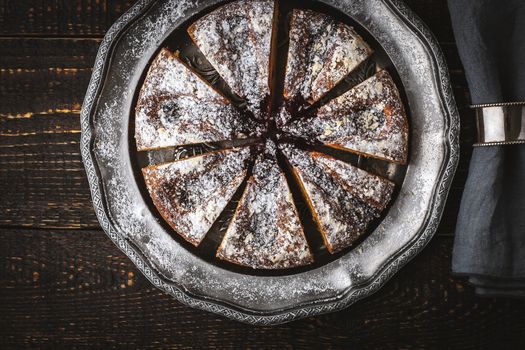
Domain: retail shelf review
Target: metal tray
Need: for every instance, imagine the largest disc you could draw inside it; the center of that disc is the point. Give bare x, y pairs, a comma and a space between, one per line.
130, 221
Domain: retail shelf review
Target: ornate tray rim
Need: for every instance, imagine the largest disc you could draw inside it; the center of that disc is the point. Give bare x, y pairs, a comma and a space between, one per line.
275, 317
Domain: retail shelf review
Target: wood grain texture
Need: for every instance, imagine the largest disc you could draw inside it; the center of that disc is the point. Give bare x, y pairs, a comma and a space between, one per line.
64, 285
69, 18
42, 178
79, 290
25, 90
48, 53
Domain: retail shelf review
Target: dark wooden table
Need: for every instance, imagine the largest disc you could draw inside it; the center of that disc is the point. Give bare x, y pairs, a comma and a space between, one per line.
64, 284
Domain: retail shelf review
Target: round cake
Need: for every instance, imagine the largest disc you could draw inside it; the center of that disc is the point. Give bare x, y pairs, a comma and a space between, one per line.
287, 141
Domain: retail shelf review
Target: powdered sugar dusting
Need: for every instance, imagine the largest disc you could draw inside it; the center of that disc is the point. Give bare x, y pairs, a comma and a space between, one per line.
145, 36
266, 232
369, 119
372, 189
322, 52
190, 194
341, 196
236, 39
176, 108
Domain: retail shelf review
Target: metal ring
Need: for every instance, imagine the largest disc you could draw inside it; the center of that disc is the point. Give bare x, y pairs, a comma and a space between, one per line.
488, 144
497, 104
501, 125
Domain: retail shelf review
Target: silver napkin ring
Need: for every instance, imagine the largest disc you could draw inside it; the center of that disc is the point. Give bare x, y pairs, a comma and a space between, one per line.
500, 124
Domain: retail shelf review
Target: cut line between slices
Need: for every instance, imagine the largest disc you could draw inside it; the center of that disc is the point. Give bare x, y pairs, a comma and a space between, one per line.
256, 142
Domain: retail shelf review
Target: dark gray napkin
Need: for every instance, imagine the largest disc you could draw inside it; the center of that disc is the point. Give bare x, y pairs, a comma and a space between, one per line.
490, 38
490, 234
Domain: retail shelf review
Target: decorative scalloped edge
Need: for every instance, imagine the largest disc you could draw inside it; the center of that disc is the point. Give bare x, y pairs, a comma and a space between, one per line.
277, 317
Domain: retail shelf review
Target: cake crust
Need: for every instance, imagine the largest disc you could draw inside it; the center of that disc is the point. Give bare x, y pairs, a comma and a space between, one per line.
343, 199
236, 39
369, 120
190, 194
266, 232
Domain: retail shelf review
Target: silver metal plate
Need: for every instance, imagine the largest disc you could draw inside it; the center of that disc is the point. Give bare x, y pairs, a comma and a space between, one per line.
124, 215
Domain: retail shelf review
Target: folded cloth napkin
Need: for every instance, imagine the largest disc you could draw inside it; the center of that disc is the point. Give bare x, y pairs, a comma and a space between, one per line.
490, 236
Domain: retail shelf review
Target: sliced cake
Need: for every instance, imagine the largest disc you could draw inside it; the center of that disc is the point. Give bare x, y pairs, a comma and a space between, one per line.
176, 108
190, 194
236, 40
369, 120
323, 51
343, 199
265, 232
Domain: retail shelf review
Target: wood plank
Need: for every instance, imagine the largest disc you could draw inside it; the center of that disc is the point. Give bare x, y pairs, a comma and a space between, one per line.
42, 177
24, 90
43, 75
45, 53
80, 18
69, 289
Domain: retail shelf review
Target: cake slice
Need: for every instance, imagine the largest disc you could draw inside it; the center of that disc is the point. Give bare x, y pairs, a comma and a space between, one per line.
265, 232
369, 120
322, 52
343, 199
190, 194
176, 108
236, 40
